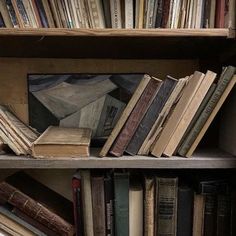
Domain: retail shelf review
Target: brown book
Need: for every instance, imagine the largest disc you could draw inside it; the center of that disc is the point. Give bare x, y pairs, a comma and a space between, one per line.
198, 215
220, 14
62, 142
135, 117
48, 13
98, 201
34, 209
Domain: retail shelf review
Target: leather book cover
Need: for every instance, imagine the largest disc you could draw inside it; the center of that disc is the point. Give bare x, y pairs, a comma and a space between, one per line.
165, 13
220, 14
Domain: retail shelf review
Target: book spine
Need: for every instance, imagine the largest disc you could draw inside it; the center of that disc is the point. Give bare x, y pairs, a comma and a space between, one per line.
42, 13
98, 202
166, 206
12, 14
35, 209
165, 14
23, 14
109, 206
220, 14
129, 18
2, 24
5, 15
115, 14
151, 116
107, 13
198, 215
36, 12
135, 118
121, 193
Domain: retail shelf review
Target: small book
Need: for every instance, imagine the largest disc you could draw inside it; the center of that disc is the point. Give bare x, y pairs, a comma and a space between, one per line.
62, 142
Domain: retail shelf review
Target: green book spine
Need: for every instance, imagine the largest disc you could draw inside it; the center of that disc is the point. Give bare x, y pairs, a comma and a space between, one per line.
121, 192
222, 84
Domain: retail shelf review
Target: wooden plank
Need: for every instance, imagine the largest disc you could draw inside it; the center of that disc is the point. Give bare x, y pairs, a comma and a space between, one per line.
119, 32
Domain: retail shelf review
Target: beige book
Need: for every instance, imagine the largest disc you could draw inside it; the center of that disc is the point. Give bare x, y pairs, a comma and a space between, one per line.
189, 114
194, 13
63, 142
139, 14
136, 210
30, 12
48, 13
183, 12
199, 14
5, 15
115, 7
55, 13
149, 206
75, 13
198, 215
125, 115
212, 14
190, 14
96, 13
86, 195
129, 17
212, 116
157, 127
173, 121
230, 18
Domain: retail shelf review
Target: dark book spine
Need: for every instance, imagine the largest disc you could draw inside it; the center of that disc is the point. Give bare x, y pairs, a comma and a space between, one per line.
185, 211
121, 193
98, 201
151, 116
223, 215
23, 13
12, 13
42, 13
165, 13
109, 205
2, 24
78, 216
160, 5
233, 214
34, 209
210, 215
135, 118
107, 13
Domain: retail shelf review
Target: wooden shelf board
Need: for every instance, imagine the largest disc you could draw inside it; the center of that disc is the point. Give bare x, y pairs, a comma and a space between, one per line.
201, 160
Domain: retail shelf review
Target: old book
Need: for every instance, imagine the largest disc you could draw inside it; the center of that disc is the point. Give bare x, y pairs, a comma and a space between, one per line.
184, 211
199, 14
231, 16
224, 86
18, 14
42, 13
177, 114
77, 203
98, 202
35, 10
86, 194
129, 14
62, 14
165, 14
32, 208
220, 14
233, 212
109, 204
166, 206
149, 205
121, 193
115, 14
139, 14
189, 113
125, 115
198, 215
149, 19
55, 13
12, 14
212, 14
107, 13
183, 13
5, 14
151, 115
48, 13
31, 14
135, 209
96, 13
159, 13
62, 142
135, 117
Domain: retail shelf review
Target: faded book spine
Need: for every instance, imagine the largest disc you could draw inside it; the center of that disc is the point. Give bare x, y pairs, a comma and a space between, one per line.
151, 115
135, 118
35, 209
115, 14
129, 17
166, 206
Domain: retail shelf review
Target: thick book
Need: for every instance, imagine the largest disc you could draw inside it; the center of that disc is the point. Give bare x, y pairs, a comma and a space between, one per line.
149, 205
98, 201
189, 113
220, 14
185, 211
136, 209
109, 204
121, 199
177, 114
125, 115
62, 142
151, 115
223, 88
166, 206
5, 15
135, 117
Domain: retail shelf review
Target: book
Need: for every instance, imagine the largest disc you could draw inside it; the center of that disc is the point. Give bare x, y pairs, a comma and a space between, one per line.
224, 85
5, 15
121, 199
135, 117
115, 7
151, 115
220, 14
62, 142
189, 113
135, 209
96, 13
177, 114
129, 15
98, 202
42, 13
107, 13
149, 205
166, 205
125, 115
48, 13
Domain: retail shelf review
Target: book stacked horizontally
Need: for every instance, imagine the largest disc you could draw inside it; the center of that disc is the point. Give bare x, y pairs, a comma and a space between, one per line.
169, 117
123, 203
117, 13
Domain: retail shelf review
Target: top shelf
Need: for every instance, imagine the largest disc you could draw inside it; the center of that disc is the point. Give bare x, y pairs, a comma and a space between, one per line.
115, 43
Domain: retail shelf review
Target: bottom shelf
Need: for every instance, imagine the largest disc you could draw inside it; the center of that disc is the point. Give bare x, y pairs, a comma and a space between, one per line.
202, 159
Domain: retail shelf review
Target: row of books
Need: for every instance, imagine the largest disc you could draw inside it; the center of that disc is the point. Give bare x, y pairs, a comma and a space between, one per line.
124, 203
117, 13
169, 117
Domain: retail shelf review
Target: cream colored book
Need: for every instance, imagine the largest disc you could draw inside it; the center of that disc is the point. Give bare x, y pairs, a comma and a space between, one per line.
178, 112
5, 14
125, 115
62, 142
189, 114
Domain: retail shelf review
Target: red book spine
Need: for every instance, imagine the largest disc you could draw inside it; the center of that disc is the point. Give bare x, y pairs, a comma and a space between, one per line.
220, 14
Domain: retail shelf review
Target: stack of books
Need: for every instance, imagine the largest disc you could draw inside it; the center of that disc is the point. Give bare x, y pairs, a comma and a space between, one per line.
137, 204
117, 13
169, 117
